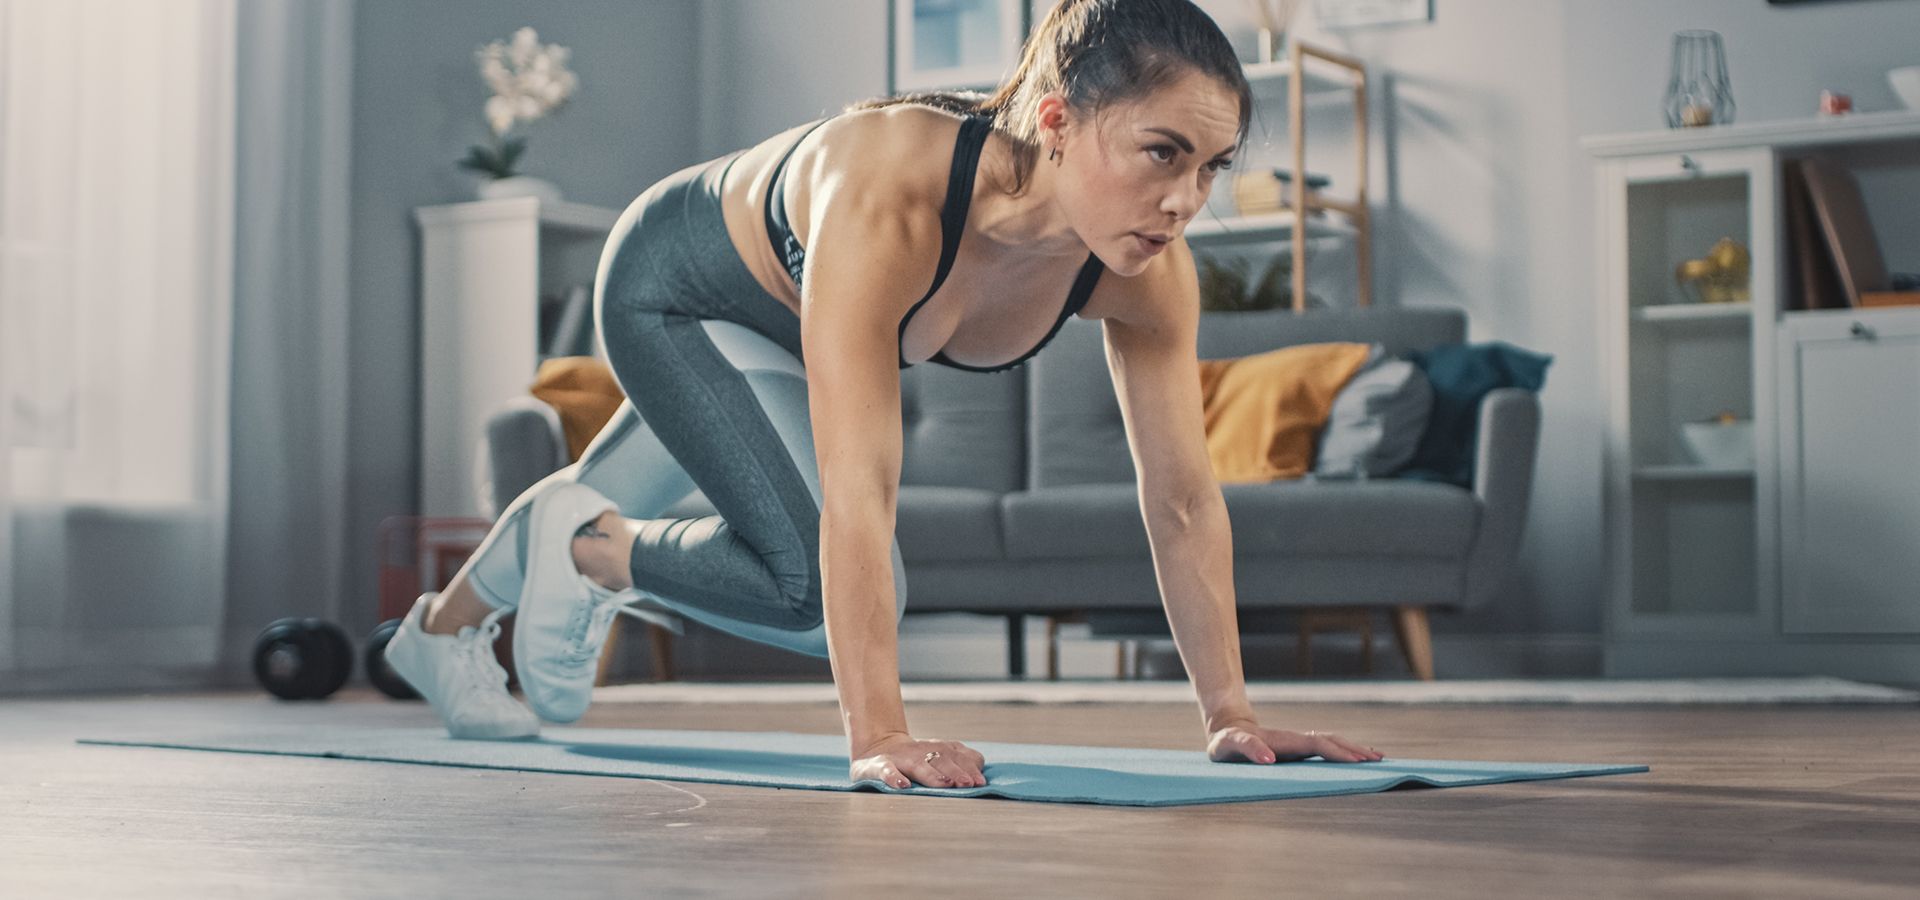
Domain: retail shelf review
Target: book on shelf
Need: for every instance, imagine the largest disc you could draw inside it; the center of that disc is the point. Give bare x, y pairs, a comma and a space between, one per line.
1840, 212
570, 332
1810, 272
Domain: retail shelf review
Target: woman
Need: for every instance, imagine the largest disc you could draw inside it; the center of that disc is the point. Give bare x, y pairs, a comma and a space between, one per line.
850, 244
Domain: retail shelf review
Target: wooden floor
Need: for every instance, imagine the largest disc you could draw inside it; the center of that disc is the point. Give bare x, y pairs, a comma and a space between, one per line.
1786, 801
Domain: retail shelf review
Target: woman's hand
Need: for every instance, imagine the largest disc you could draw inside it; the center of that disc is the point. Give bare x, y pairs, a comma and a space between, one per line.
897, 758
1248, 742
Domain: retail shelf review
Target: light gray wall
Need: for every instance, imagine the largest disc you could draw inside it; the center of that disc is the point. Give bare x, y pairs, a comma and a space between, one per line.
416, 108
1482, 194
1484, 199
1495, 208
771, 64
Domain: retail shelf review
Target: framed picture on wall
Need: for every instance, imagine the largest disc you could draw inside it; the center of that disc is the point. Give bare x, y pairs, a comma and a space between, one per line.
953, 44
1357, 13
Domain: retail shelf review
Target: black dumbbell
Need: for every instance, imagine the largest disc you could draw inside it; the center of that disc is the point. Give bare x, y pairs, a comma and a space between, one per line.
302, 659
382, 675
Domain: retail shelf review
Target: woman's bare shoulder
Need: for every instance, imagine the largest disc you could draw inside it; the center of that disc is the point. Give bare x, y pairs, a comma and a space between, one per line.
871, 176
888, 150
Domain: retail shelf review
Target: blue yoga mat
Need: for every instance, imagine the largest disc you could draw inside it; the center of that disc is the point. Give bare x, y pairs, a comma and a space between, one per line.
1043, 772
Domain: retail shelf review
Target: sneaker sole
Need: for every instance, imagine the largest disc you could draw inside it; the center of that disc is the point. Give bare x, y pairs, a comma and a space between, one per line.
535, 569
401, 664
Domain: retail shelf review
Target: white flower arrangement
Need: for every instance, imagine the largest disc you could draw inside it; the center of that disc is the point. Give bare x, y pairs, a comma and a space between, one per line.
528, 80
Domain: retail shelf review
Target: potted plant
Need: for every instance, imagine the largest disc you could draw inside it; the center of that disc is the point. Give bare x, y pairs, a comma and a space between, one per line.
1227, 285
529, 80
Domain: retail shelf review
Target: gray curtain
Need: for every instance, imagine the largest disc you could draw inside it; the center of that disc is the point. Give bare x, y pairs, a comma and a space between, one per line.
116, 277
286, 551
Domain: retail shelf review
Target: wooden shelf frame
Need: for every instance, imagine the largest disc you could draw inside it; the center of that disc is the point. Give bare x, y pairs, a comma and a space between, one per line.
1356, 208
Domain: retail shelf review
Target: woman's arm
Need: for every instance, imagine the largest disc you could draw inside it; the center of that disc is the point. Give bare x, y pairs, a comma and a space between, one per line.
853, 388
1152, 355
869, 259
1156, 377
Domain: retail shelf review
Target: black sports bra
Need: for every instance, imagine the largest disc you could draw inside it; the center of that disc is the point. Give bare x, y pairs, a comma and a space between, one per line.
953, 215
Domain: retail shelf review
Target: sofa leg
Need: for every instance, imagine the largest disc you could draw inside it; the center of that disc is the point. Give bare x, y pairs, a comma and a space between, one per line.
1303, 665
1053, 648
1017, 646
1334, 619
607, 653
1416, 639
662, 640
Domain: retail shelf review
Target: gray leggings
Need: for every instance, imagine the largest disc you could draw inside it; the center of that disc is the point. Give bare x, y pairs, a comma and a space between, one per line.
717, 399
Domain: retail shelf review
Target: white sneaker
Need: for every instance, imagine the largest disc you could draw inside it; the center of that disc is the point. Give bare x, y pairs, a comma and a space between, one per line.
459, 676
564, 616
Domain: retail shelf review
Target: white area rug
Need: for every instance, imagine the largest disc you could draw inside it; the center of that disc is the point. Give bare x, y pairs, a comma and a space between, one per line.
1818, 689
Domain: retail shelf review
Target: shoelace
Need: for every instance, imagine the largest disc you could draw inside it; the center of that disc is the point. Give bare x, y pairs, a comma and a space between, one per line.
474, 651
600, 616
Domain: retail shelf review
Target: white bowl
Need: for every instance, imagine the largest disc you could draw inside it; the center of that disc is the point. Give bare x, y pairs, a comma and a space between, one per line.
1906, 85
1719, 446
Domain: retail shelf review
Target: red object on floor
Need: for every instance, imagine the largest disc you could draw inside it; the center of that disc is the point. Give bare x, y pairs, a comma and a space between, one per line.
422, 553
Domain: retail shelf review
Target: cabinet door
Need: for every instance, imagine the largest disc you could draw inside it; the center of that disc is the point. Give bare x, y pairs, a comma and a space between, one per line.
1850, 473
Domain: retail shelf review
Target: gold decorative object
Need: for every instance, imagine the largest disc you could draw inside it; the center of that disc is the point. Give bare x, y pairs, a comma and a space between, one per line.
1724, 275
1258, 192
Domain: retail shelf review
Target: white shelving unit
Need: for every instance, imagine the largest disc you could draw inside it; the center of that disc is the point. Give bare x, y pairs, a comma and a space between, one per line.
484, 266
1701, 568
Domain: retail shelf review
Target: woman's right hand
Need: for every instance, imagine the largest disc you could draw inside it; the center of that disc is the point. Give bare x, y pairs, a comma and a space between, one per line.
895, 759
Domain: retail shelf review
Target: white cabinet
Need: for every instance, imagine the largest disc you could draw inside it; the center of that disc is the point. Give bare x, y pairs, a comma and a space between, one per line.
483, 268
1687, 540
1807, 560
1850, 472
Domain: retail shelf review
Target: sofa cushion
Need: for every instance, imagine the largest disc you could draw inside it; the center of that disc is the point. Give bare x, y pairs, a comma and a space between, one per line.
963, 429
1376, 421
948, 524
1386, 518
1462, 375
583, 390
1074, 433
933, 524
1262, 412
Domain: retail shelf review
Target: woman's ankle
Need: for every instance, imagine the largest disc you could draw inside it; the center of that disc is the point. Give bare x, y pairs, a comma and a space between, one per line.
452, 610
602, 551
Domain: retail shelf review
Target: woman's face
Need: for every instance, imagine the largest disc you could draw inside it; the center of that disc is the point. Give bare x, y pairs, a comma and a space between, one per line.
1135, 175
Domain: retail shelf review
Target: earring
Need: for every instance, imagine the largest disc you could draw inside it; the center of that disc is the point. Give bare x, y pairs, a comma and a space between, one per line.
1051, 152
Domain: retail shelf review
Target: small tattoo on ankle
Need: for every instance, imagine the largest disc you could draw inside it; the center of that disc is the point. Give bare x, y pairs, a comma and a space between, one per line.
590, 530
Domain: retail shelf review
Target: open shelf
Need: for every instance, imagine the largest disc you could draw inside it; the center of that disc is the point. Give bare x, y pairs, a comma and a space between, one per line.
1261, 228
1684, 472
588, 221
1273, 76
1693, 546
1694, 312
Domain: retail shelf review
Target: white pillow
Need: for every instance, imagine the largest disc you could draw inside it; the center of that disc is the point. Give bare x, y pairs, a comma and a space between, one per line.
1376, 421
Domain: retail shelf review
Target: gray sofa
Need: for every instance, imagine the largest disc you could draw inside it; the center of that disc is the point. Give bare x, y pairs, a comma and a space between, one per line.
1017, 495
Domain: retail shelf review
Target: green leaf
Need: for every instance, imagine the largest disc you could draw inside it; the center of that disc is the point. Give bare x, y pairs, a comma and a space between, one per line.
510, 150
1223, 285
1275, 287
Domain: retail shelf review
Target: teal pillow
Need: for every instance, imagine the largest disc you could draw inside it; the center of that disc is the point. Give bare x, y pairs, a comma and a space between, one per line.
1461, 376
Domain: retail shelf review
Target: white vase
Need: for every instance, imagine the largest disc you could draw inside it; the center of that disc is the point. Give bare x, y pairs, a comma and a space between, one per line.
519, 186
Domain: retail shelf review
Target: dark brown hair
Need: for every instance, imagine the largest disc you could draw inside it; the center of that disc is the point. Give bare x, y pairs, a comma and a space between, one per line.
1096, 52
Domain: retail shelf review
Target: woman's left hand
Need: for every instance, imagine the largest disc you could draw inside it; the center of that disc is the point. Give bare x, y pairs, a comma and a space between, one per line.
1249, 742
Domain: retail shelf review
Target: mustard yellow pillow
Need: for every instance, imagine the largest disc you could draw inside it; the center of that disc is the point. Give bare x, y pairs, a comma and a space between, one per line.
583, 390
1263, 411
